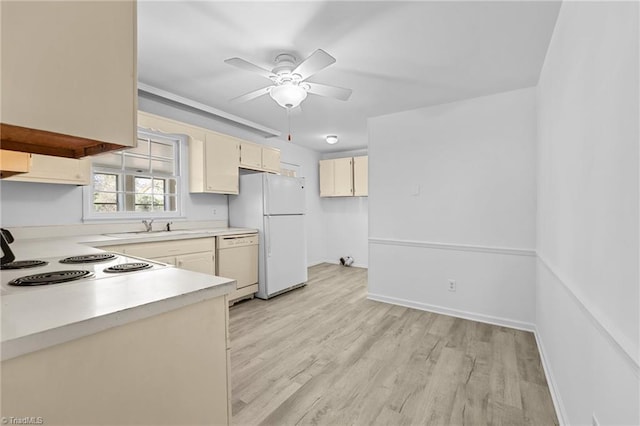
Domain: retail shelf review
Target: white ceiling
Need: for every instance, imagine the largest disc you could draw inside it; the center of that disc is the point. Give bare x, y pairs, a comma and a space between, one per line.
395, 55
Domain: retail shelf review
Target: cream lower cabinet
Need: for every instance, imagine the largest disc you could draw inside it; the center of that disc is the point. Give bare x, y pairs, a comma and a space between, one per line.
237, 258
167, 369
47, 169
344, 177
197, 262
194, 254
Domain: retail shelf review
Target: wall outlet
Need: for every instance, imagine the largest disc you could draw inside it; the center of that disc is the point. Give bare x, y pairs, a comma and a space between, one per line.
594, 420
452, 285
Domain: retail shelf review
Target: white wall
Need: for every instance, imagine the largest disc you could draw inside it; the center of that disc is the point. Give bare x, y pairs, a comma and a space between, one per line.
442, 179
346, 222
588, 221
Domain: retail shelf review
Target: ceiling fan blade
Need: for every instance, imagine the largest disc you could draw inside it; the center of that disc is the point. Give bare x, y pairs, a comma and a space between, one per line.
252, 95
317, 61
329, 91
248, 66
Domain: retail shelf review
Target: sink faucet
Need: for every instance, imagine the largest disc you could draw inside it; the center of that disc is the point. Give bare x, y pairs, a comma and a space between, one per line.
147, 224
169, 226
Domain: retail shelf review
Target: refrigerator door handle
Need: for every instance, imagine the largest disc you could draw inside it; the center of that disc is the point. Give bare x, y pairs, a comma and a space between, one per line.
267, 234
266, 194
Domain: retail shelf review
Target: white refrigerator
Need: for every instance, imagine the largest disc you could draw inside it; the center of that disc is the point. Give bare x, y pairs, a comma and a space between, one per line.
275, 205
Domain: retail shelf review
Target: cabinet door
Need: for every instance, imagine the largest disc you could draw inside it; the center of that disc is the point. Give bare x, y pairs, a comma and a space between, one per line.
361, 176
343, 177
239, 263
271, 159
69, 67
171, 260
47, 169
250, 155
222, 154
326, 178
197, 262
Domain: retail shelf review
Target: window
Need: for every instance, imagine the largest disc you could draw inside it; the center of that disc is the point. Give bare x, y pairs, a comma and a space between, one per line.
141, 181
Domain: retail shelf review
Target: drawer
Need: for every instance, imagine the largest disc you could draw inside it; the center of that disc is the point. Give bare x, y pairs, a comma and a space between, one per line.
168, 248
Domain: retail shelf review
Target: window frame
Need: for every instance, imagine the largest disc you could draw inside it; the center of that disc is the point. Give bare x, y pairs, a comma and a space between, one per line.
89, 214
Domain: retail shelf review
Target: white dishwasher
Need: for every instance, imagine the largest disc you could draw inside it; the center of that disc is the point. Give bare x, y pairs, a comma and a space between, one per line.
237, 258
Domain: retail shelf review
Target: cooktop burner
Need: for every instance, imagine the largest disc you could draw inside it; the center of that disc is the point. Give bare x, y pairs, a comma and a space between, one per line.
24, 264
89, 258
127, 267
54, 277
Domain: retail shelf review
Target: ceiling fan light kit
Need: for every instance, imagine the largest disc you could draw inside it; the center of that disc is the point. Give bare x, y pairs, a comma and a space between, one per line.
289, 87
331, 139
288, 95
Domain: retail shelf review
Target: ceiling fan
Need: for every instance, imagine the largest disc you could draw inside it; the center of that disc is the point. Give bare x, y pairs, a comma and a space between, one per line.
289, 86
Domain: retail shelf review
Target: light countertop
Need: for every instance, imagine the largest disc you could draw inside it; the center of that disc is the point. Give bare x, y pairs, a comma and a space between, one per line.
52, 315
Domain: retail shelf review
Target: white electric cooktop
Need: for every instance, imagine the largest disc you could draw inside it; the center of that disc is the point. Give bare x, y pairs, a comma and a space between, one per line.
33, 274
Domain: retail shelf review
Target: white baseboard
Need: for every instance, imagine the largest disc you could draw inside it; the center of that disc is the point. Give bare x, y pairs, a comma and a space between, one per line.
551, 382
315, 262
504, 322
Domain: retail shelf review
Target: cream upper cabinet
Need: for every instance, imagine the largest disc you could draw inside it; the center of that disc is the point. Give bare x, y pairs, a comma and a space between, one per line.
167, 125
326, 178
344, 177
213, 164
361, 176
214, 158
250, 155
47, 169
271, 159
258, 157
69, 67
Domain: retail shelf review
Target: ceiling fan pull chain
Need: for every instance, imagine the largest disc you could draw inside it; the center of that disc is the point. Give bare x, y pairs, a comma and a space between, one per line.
289, 122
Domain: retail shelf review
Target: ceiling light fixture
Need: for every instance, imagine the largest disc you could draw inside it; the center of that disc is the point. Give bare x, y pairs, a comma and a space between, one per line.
331, 139
288, 95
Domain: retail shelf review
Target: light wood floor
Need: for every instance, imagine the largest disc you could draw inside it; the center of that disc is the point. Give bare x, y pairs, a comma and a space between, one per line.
326, 355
